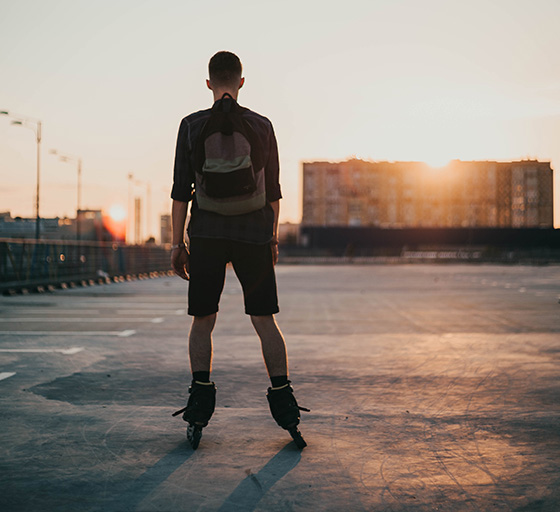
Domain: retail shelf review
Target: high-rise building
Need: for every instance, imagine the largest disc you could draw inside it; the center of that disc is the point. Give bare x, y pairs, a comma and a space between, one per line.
166, 231
412, 194
137, 220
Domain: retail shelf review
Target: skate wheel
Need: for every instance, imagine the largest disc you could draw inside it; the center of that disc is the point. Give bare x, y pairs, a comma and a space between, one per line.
298, 438
194, 434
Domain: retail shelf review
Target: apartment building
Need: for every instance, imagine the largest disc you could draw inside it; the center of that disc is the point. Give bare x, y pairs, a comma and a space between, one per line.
412, 194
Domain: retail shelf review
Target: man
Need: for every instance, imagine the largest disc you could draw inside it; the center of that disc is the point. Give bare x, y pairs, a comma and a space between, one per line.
248, 240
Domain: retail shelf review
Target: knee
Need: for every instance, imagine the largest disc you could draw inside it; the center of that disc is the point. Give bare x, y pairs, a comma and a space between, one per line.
204, 323
262, 321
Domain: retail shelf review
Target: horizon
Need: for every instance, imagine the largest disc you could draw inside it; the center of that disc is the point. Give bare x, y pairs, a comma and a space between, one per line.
379, 81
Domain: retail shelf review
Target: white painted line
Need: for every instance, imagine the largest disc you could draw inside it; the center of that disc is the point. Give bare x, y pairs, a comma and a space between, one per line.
6, 375
180, 312
72, 351
49, 311
68, 333
63, 319
102, 304
522, 290
65, 351
137, 312
128, 307
157, 320
127, 333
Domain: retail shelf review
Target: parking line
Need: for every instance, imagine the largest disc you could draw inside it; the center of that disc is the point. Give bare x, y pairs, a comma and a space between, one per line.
137, 312
126, 334
6, 375
89, 319
120, 334
49, 311
124, 304
65, 351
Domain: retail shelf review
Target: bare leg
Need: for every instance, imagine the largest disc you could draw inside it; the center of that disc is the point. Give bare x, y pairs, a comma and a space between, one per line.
200, 343
273, 345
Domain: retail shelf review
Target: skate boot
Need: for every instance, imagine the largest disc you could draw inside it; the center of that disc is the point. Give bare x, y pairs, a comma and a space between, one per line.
199, 409
285, 410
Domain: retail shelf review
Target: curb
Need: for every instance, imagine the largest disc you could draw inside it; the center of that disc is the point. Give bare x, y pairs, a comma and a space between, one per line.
52, 286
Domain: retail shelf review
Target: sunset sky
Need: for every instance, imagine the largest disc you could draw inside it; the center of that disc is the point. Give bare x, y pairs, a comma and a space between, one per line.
381, 80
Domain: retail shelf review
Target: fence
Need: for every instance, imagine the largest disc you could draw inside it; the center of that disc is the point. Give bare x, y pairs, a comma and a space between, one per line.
29, 263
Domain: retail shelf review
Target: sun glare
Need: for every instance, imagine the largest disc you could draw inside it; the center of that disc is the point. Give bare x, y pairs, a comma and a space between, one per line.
117, 212
437, 163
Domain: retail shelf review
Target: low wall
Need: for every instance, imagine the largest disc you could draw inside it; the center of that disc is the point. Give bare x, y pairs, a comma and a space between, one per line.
373, 241
32, 263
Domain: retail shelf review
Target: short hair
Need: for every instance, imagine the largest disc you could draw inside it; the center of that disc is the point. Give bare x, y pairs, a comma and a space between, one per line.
224, 68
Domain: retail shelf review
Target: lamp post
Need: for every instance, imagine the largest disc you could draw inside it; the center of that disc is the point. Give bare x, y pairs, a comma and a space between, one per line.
78, 160
130, 212
35, 125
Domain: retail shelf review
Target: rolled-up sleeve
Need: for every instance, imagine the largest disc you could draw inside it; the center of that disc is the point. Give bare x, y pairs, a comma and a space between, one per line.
272, 170
182, 174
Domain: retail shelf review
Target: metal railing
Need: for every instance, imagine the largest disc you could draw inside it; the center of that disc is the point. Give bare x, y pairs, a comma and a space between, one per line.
50, 262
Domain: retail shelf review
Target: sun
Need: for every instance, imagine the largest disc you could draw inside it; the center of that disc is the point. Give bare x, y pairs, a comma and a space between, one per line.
117, 212
437, 163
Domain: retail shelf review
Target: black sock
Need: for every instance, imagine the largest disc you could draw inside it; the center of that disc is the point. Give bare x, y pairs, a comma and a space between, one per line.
201, 376
277, 382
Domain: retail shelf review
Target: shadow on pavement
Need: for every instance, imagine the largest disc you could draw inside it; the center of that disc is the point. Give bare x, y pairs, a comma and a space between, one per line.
153, 477
250, 491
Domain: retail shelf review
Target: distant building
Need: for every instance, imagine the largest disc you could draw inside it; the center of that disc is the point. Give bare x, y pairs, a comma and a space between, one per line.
19, 227
166, 231
412, 194
94, 226
288, 233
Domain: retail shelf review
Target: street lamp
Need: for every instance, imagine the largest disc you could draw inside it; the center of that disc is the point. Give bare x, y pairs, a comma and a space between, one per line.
71, 158
35, 125
130, 213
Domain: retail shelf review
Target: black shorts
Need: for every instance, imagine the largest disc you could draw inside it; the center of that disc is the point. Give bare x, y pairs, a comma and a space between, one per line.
252, 264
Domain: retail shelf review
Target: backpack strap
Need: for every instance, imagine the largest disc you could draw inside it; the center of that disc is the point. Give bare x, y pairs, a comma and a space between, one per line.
222, 110
220, 104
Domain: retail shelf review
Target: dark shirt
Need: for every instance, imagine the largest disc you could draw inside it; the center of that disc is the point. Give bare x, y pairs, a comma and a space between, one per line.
254, 227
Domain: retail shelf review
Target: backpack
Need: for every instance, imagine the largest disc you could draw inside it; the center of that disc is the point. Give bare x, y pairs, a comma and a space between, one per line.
229, 176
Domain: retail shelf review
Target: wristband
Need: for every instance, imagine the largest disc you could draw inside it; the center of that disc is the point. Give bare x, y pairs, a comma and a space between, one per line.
182, 244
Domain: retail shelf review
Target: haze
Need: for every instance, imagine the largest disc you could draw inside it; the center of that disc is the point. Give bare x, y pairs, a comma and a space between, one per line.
382, 80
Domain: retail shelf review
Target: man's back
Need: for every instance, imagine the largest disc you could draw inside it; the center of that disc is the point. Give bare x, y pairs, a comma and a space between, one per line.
253, 227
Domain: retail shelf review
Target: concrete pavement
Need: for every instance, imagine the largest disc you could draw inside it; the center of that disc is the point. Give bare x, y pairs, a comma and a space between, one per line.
432, 387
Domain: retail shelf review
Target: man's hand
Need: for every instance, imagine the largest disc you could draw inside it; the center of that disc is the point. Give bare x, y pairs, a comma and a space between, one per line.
180, 262
274, 248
